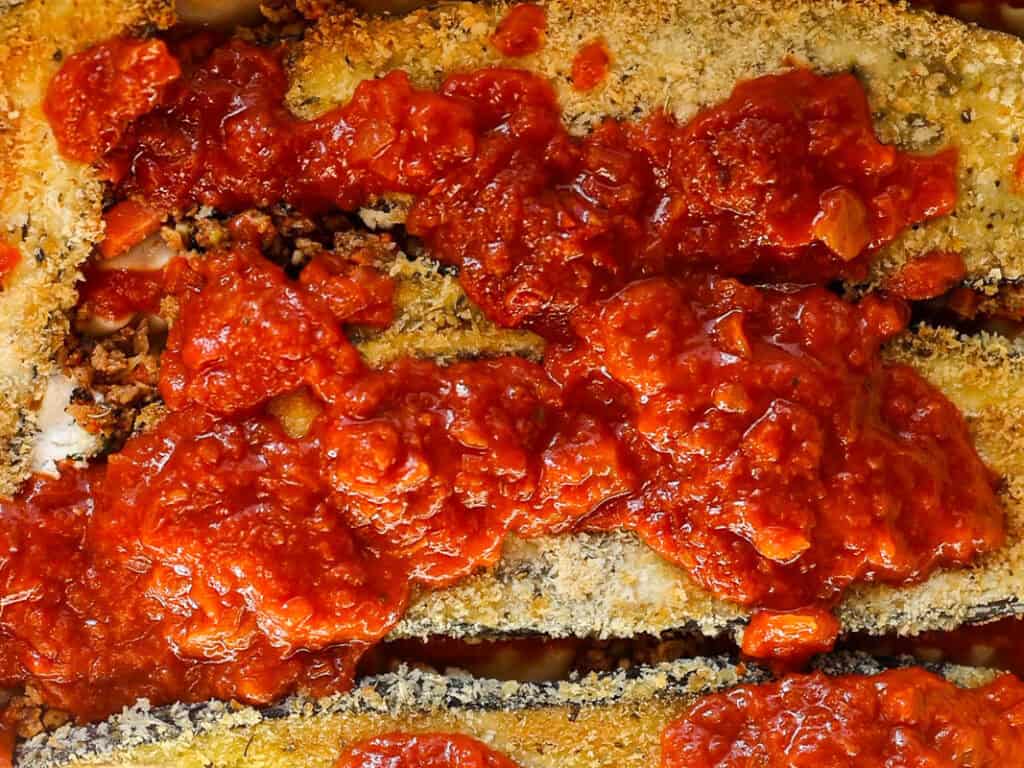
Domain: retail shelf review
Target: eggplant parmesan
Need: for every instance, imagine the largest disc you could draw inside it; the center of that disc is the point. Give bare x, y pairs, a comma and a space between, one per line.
490, 320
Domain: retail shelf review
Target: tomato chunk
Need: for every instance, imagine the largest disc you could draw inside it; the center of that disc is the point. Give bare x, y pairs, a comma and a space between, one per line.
521, 31
10, 258
590, 65
96, 94
128, 223
422, 750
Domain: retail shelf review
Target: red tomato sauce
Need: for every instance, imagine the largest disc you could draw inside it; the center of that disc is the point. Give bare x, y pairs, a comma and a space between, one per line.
764, 427
222, 540
94, 632
548, 222
789, 638
96, 94
784, 180
119, 293
10, 258
906, 717
422, 750
521, 30
750, 434
928, 276
590, 65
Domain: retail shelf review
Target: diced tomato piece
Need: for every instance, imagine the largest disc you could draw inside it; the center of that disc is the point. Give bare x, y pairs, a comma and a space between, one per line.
521, 31
791, 635
128, 223
590, 65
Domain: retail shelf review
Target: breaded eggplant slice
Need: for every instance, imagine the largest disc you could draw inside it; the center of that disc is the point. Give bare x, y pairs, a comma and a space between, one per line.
49, 207
932, 82
608, 719
614, 585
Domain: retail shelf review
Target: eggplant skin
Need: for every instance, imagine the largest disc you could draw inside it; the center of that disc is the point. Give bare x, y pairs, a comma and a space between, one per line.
602, 720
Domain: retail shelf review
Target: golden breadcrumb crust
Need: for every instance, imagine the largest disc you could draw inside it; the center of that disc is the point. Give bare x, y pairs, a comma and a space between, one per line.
931, 81
49, 207
613, 585
610, 720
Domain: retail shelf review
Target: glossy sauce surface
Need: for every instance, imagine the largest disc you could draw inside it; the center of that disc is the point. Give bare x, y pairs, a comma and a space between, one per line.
750, 433
590, 65
906, 717
784, 180
422, 750
117, 293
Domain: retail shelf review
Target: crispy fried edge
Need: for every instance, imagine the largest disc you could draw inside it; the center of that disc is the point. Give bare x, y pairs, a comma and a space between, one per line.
49, 207
611, 719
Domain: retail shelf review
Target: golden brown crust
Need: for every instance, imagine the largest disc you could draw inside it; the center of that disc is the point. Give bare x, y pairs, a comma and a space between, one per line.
612, 720
984, 376
49, 207
434, 318
931, 81
607, 719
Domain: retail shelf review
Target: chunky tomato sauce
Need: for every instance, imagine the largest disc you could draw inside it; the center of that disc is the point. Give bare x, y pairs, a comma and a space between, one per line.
906, 717
785, 179
422, 750
94, 630
590, 65
91, 103
114, 294
750, 433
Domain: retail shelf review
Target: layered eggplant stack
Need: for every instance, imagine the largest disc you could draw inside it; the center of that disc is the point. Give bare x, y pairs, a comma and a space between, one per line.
487, 321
